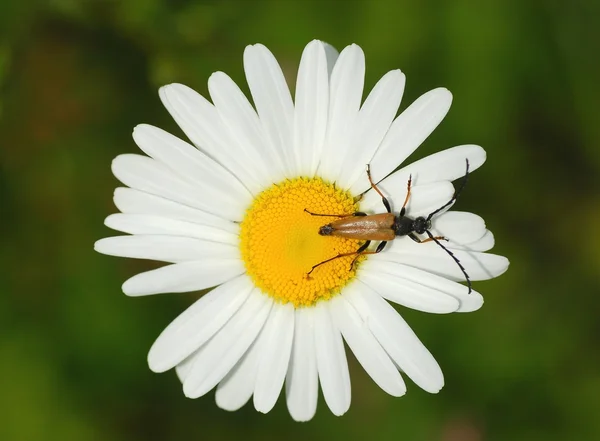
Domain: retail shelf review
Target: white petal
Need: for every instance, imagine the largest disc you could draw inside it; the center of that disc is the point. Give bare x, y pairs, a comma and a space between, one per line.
237, 386
332, 56
431, 257
396, 337
243, 123
459, 227
197, 324
184, 368
218, 356
423, 200
184, 277
133, 201
429, 292
447, 165
273, 101
275, 357
147, 224
331, 361
153, 177
394, 282
312, 104
366, 348
302, 385
188, 162
201, 122
372, 123
345, 95
486, 243
165, 248
407, 133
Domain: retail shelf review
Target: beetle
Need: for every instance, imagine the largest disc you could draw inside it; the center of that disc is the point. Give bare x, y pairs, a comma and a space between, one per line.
385, 227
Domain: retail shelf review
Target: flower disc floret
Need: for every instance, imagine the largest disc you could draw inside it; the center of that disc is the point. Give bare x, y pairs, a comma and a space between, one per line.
280, 241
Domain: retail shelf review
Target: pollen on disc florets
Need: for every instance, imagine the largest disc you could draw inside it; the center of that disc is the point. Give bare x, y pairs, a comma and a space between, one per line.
280, 243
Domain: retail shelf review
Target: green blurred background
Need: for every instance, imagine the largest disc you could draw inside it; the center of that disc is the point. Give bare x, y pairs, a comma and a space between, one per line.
77, 76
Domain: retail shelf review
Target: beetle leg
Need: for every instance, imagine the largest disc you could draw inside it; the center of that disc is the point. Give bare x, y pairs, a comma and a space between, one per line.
386, 203
451, 254
360, 251
379, 249
429, 239
403, 209
356, 213
329, 215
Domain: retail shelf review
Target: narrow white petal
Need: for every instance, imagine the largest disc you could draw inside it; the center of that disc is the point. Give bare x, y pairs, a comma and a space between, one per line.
423, 200
221, 353
165, 248
409, 286
407, 133
372, 123
387, 267
366, 348
447, 165
237, 387
345, 95
273, 101
311, 108
148, 224
392, 282
396, 337
331, 361
302, 387
192, 328
151, 176
431, 257
201, 122
189, 162
242, 121
184, 277
132, 201
275, 357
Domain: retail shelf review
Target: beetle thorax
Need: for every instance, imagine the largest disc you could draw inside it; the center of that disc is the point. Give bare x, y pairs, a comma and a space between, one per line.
403, 225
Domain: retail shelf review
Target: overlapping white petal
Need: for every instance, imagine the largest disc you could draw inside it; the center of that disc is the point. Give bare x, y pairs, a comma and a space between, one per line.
203, 125
331, 360
433, 259
220, 354
136, 202
157, 225
396, 337
345, 95
366, 348
184, 277
372, 123
197, 324
184, 204
273, 102
275, 357
406, 133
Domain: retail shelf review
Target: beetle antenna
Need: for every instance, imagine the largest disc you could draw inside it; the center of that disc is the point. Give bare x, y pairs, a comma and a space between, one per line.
451, 254
456, 193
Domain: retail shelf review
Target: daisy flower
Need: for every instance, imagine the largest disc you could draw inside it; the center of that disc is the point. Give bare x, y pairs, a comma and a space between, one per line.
229, 212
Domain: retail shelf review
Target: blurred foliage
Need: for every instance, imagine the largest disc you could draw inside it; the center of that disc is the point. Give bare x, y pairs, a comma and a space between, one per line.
77, 76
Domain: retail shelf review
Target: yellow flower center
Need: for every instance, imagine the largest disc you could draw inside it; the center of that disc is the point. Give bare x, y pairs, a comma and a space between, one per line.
280, 242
